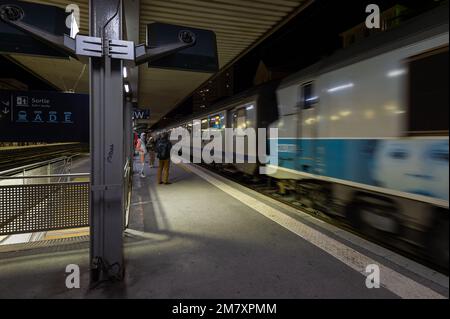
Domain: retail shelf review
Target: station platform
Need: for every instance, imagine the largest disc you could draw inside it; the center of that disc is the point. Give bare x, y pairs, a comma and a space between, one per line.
207, 237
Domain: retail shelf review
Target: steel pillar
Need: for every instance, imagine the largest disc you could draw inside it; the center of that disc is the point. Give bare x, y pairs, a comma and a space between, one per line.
131, 33
128, 131
106, 146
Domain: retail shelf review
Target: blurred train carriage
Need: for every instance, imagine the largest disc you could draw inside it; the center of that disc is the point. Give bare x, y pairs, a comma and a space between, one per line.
363, 135
368, 134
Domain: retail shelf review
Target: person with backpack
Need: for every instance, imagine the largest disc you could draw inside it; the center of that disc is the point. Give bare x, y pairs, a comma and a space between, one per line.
142, 150
163, 148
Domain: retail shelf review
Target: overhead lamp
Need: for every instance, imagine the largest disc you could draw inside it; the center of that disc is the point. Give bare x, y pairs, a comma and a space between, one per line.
340, 87
395, 73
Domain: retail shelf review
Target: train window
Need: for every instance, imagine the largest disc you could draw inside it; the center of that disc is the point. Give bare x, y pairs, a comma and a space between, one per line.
241, 119
186, 127
217, 122
428, 93
204, 124
308, 98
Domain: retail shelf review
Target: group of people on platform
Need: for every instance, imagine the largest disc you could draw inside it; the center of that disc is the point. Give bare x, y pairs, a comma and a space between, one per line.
156, 147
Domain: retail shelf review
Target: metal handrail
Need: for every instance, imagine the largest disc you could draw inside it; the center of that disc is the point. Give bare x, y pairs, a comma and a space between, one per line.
47, 176
67, 165
34, 165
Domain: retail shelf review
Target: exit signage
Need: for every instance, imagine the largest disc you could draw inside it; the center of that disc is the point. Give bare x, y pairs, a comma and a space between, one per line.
43, 116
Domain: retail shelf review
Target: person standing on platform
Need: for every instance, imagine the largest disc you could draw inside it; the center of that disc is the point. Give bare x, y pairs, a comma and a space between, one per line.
151, 148
135, 141
163, 148
142, 149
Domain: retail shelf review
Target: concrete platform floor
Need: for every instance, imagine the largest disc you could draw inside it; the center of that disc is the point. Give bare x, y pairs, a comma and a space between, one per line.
205, 237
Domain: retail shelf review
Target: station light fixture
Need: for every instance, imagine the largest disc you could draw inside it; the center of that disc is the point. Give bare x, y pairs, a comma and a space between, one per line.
127, 87
345, 113
395, 73
340, 87
334, 117
125, 72
314, 98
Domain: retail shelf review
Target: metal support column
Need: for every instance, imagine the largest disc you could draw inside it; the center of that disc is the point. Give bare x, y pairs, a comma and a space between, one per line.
128, 131
131, 32
106, 115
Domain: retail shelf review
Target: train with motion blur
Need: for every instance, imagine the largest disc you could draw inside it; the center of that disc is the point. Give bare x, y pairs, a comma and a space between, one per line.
362, 135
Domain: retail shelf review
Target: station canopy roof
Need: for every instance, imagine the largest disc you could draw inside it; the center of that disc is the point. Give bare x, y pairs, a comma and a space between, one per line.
239, 25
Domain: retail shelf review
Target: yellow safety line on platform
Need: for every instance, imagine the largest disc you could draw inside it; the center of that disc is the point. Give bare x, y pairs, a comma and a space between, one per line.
67, 233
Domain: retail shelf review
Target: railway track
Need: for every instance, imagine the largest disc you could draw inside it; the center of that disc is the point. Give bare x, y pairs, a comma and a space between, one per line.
12, 158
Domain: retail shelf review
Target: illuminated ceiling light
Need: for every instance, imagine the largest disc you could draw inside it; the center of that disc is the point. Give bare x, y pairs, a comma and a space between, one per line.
249, 107
399, 112
310, 121
125, 73
369, 114
341, 87
395, 73
127, 88
390, 107
334, 117
314, 98
345, 113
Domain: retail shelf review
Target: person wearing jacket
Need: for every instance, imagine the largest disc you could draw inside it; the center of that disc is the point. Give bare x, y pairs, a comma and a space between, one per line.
163, 148
142, 149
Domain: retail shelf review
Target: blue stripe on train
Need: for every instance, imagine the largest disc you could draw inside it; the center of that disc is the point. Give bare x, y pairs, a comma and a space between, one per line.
413, 165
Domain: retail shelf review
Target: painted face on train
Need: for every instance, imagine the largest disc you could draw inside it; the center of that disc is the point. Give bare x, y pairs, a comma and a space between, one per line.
413, 166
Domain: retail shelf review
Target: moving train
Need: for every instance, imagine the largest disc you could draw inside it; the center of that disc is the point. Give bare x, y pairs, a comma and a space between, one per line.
362, 135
